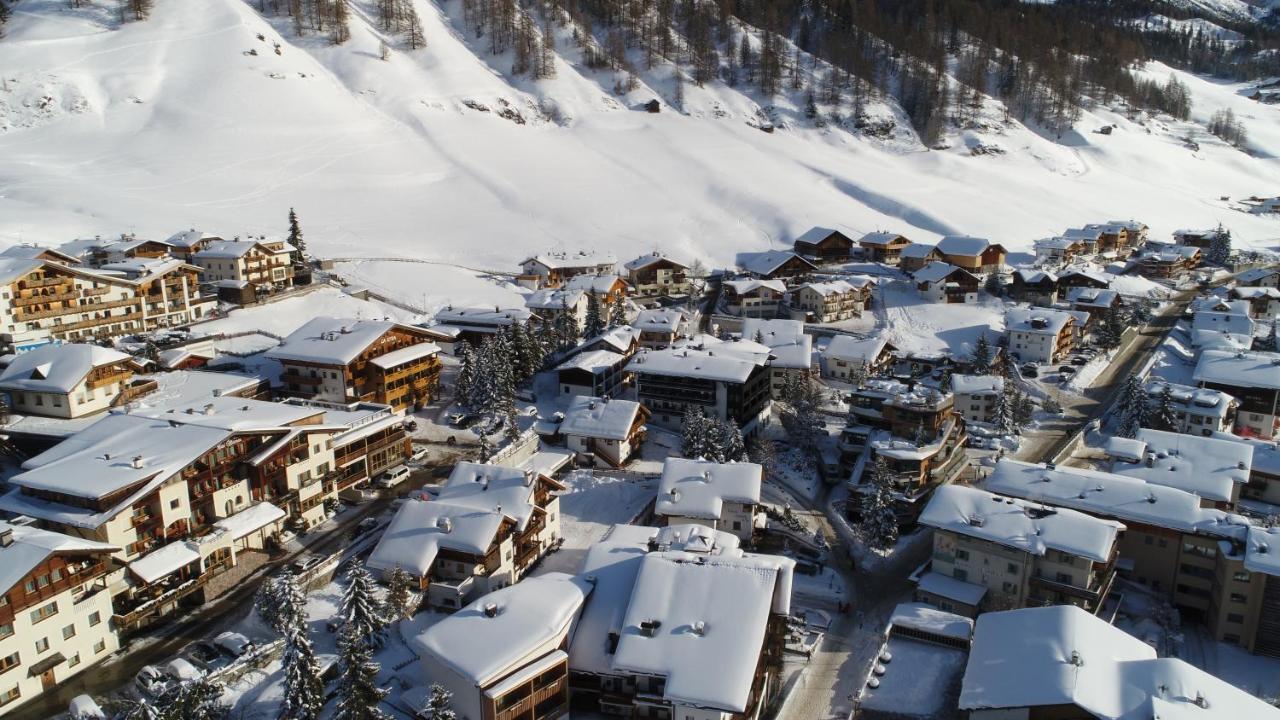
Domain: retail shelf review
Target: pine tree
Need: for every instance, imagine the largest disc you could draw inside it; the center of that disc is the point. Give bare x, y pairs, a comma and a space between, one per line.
1166, 415
439, 704
1023, 410
1112, 329
1003, 412
1219, 247
268, 603
361, 609
464, 386
413, 34
677, 95
1268, 342
858, 374
594, 324
618, 313
981, 361
339, 30
565, 328
358, 694
303, 689
401, 602
878, 522
1132, 408
695, 433
762, 453
296, 239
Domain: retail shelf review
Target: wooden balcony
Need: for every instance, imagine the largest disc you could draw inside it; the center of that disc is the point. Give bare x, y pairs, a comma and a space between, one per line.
299, 379
44, 282
26, 301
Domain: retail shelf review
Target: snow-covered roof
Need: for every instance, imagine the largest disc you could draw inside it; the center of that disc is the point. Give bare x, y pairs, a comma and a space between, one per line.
12, 268
963, 245
554, 299
699, 489
1092, 297
57, 368
405, 355
919, 251
1018, 524
1031, 275
1205, 466
592, 361
1262, 550
33, 252
228, 249
645, 261
1107, 494
494, 488
1188, 398
935, 272
977, 384
482, 316
1240, 369
250, 520
421, 528
189, 238
743, 286
1084, 273
848, 347
787, 341
1037, 320
919, 616
184, 386
962, 591
333, 341
598, 284
1124, 448
1056, 243
692, 362
1084, 233
1064, 656
599, 417
569, 261
497, 633
659, 320
619, 338
231, 413
1251, 293
165, 560
31, 546
135, 268
880, 238
1248, 277
765, 263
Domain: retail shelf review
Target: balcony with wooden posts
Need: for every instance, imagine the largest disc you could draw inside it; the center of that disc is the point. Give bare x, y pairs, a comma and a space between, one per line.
28, 300
95, 322
42, 282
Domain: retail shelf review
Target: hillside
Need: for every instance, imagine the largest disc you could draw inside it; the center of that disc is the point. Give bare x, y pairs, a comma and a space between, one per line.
190, 120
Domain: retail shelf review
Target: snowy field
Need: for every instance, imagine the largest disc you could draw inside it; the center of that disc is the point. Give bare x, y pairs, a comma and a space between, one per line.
190, 120
590, 505
914, 325
284, 316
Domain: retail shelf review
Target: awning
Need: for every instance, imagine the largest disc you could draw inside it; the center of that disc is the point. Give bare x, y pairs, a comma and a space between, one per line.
48, 663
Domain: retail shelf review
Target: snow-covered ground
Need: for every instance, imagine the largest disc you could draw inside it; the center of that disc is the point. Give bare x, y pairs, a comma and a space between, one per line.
914, 325
284, 316
590, 505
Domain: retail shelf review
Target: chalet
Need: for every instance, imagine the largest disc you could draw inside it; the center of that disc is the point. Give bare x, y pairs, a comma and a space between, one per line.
824, 245
504, 656
976, 396
1041, 335
917, 255
752, 298
1253, 378
1264, 302
660, 328
1017, 554
56, 617
484, 530
621, 339
185, 243
1226, 316
1259, 277
830, 301
71, 381
1135, 232
655, 275
1065, 662
27, 251
1167, 262
1197, 411
790, 349
1058, 250
346, 360
602, 431
976, 255
608, 289
169, 290
1075, 277
553, 269
943, 283
550, 303
1202, 239
474, 324
845, 357
725, 383
883, 247
1119, 238
776, 265
668, 604
1097, 303
1038, 287
1088, 239
593, 373
265, 266
723, 497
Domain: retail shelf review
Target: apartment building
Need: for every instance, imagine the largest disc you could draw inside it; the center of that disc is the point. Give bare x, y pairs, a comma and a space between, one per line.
1016, 553
169, 290
883, 247
602, 431
1253, 378
790, 348
486, 526
55, 621
829, 301
265, 265
554, 268
1211, 564
681, 623
660, 327
1264, 302
71, 381
656, 275
1197, 411
1211, 468
345, 360
727, 383
1168, 261
1058, 250
753, 297
1041, 335
976, 396
594, 373
551, 303
845, 356
723, 497
504, 657
824, 245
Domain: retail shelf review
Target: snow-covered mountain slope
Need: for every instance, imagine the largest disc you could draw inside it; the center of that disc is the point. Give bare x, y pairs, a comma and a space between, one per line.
190, 120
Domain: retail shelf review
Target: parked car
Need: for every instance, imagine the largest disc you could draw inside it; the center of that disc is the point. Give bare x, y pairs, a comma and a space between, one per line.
305, 563
84, 707
152, 683
411, 425
419, 455
181, 670
356, 496
463, 420
1079, 360
393, 477
1066, 370
1030, 370
234, 644
206, 656
366, 525
526, 395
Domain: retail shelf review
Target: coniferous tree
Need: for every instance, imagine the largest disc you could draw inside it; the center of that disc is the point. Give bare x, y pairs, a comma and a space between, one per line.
303, 689
295, 238
401, 602
695, 434
618, 312
981, 361
878, 522
1132, 407
359, 695
362, 611
1023, 410
1003, 412
1268, 342
413, 35
762, 453
1166, 415
339, 29
464, 386
439, 704
1219, 247
594, 323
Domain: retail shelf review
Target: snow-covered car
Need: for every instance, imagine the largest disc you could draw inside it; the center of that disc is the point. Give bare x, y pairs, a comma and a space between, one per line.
152, 682
234, 644
84, 707
182, 670
305, 563
419, 455
205, 656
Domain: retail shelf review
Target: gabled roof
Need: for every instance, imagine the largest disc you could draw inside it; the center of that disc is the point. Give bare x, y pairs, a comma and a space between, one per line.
33, 252
1208, 467
815, 235
598, 284
580, 259
599, 418
654, 257
1249, 277
230, 249
493, 488
32, 546
699, 489
189, 238
12, 268
976, 384
881, 239
768, 262
745, 285
554, 299
57, 368
1092, 297
1034, 277
919, 250
485, 316
788, 343
334, 341
964, 245
662, 320
848, 347
936, 272
620, 338
421, 528
1240, 369
1037, 320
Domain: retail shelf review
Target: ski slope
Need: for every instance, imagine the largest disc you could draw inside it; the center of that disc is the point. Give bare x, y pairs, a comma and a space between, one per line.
173, 123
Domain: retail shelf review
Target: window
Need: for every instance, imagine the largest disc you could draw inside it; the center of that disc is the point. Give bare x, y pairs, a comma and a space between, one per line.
1235, 618
43, 612
74, 660
962, 554
95, 618
1238, 598
10, 662
56, 574
173, 504
30, 586
1241, 576
69, 632
42, 645
99, 646
6, 630
1013, 569
9, 696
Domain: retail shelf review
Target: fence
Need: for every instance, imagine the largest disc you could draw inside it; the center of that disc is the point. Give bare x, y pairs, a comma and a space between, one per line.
525, 447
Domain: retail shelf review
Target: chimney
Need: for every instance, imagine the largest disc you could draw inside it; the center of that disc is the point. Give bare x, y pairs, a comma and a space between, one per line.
649, 628
208, 409
491, 609
6, 537
137, 462
528, 477
444, 525
700, 628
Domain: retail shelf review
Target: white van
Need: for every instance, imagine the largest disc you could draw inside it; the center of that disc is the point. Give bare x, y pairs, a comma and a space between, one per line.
393, 477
